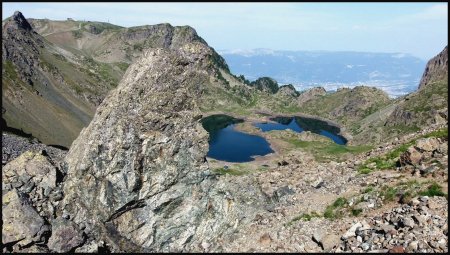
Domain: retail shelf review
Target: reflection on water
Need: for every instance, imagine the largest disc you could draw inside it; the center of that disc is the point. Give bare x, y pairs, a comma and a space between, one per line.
300, 124
228, 144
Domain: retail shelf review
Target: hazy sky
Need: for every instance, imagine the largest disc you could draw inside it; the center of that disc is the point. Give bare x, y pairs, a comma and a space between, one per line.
416, 28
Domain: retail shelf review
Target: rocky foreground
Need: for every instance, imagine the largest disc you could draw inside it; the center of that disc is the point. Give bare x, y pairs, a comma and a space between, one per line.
136, 180
299, 206
333, 207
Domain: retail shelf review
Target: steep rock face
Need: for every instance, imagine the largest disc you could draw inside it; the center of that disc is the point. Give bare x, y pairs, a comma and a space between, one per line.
429, 104
436, 69
141, 161
21, 46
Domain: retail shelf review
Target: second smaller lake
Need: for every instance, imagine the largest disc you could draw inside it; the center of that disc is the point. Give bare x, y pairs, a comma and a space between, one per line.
300, 124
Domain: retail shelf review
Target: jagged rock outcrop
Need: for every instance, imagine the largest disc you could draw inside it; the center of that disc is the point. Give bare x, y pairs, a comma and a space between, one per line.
429, 104
436, 69
288, 91
21, 45
265, 84
20, 22
310, 94
141, 161
31, 187
424, 148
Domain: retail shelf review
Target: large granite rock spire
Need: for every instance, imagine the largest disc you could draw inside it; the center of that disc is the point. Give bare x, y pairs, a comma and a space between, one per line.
137, 175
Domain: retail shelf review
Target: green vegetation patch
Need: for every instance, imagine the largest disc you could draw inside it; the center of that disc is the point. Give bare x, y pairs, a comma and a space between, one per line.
138, 46
368, 189
356, 212
404, 191
77, 34
324, 151
335, 210
230, 171
441, 133
433, 190
390, 159
122, 66
307, 216
9, 70
401, 192
304, 217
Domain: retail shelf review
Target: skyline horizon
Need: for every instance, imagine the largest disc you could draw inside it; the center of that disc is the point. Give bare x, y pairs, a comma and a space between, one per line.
418, 29
220, 50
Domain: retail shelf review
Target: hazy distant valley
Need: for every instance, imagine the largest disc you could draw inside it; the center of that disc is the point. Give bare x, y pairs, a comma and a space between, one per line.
395, 73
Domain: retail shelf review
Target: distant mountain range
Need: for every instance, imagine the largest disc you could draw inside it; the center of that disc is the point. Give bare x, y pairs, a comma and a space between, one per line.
395, 73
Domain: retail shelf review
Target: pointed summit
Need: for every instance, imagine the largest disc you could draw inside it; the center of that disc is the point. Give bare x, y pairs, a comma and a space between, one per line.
19, 21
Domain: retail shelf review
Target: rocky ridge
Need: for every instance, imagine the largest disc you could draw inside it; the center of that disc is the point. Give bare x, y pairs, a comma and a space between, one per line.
311, 94
436, 69
17, 32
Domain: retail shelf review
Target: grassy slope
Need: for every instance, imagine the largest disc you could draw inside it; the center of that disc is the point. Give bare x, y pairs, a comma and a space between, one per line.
422, 105
54, 116
347, 107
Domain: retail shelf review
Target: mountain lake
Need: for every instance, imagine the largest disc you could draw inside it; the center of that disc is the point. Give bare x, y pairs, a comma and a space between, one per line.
228, 144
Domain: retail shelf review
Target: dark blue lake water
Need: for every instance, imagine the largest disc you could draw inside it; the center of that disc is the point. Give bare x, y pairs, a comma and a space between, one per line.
300, 124
228, 144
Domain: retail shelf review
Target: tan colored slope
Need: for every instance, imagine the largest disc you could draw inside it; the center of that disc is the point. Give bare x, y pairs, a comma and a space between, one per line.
52, 122
109, 43
47, 91
46, 27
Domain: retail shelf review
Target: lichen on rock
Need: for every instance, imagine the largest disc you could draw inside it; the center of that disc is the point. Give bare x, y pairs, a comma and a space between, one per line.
146, 185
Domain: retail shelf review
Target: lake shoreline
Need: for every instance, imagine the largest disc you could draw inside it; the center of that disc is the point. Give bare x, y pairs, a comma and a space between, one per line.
279, 146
